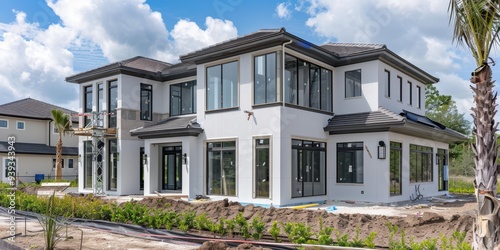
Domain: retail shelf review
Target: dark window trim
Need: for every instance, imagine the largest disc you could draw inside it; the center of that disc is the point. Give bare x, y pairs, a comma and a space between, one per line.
419, 150
221, 110
388, 83
149, 89
400, 88
265, 76
109, 102
419, 98
266, 105
354, 91
193, 97
349, 149
221, 104
308, 109
87, 90
221, 149
410, 85
100, 86
319, 149
396, 146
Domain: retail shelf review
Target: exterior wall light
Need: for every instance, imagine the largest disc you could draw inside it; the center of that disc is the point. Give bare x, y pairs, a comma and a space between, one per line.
381, 150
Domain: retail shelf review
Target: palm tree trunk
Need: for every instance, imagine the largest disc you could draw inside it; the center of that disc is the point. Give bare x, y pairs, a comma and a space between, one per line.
486, 230
59, 158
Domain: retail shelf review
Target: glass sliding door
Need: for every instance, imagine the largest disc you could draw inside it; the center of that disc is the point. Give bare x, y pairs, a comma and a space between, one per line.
396, 158
172, 168
112, 165
221, 172
262, 168
308, 168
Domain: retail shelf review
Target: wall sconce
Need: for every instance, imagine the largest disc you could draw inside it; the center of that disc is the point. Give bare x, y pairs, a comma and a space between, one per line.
144, 159
381, 150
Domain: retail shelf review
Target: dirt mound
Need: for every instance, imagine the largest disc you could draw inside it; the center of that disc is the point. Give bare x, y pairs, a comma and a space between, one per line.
419, 225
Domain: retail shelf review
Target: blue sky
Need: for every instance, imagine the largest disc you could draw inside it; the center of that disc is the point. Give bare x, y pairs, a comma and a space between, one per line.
44, 41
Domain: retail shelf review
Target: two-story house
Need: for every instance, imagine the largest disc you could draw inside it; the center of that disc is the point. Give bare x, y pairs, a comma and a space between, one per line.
33, 138
268, 118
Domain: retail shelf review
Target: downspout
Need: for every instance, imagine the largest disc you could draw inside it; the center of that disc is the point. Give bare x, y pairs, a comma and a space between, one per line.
283, 70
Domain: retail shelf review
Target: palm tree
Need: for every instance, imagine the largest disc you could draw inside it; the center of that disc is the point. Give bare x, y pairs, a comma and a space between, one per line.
476, 26
61, 122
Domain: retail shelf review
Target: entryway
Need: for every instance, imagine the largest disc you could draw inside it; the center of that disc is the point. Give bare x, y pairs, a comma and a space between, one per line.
172, 168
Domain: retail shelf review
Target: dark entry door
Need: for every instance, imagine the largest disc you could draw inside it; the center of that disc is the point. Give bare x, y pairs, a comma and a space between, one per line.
172, 168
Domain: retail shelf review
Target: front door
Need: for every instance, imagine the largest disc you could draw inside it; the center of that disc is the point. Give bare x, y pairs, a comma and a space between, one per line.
172, 168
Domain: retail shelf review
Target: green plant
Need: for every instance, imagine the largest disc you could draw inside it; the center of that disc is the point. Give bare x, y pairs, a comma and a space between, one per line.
186, 221
298, 233
243, 225
356, 241
230, 227
397, 245
170, 219
51, 225
342, 240
258, 227
200, 221
370, 240
220, 227
325, 234
275, 231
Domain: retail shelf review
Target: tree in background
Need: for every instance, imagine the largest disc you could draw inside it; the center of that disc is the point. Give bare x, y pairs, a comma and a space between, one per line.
476, 25
62, 123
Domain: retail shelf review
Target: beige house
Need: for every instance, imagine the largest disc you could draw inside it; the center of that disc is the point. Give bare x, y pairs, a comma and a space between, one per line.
27, 126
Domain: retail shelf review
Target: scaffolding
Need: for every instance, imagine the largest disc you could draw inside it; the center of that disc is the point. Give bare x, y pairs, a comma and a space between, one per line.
95, 129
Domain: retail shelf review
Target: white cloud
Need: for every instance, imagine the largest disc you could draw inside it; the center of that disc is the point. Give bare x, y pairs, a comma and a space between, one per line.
283, 11
188, 36
459, 89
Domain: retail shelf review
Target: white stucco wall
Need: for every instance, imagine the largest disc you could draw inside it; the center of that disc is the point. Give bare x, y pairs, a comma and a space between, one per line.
28, 165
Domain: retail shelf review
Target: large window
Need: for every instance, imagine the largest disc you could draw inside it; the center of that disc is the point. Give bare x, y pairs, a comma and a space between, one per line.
308, 168
4, 124
396, 159
100, 101
112, 103
307, 84
350, 162
400, 79
221, 168
420, 163
87, 161
265, 78
353, 83
183, 98
387, 83
222, 86
146, 102
262, 168
88, 104
112, 165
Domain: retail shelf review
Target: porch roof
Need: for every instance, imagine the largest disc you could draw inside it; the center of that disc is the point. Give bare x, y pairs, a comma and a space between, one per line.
170, 127
382, 120
36, 148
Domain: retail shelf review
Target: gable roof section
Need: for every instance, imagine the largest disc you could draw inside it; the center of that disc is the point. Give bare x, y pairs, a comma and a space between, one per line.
137, 66
349, 49
33, 109
170, 127
37, 148
384, 120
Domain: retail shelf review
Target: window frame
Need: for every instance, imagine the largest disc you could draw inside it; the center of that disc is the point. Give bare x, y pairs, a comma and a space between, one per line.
221, 149
258, 145
112, 117
400, 89
20, 122
6, 124
220, 93
353, 150
193, 88
54, 161
395, 147
148, 90
303, 146
70, 163
387, 90
418, 151
266, 87
419, 97
354, 84
410, 93
112, 168
86, 91
87, 165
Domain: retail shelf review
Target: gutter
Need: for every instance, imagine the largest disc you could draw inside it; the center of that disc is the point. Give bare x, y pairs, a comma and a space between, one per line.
283, 70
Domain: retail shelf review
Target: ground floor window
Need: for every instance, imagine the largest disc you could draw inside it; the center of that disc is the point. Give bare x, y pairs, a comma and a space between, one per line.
112, 165
396, 158
262, 168
87, 164
350, 162
308, 168
442, 169
420, 163
221, 168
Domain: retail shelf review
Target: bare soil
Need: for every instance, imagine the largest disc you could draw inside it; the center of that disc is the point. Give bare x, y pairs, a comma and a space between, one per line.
427, 218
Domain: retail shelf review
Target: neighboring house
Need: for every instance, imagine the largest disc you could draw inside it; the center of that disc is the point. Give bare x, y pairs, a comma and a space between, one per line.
29, 122
351, 125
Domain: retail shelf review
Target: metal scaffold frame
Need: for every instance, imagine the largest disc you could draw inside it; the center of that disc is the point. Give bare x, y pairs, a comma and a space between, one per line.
96, 130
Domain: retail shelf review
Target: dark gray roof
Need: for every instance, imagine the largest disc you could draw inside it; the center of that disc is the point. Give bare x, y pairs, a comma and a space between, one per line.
180, 70
36, 148
384, 120
347, 49
136, 66
170, 127
31, 108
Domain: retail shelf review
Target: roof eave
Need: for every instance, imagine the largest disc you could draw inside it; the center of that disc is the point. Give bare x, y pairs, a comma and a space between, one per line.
167, 133
111, 70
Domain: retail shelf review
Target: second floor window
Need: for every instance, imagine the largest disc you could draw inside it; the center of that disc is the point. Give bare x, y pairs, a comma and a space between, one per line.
88, 104
265, 79
222, 86
183, 98
387, 80
410, 93
419, 97
112, 103
353, 83
400, 79
146, 102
